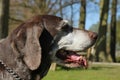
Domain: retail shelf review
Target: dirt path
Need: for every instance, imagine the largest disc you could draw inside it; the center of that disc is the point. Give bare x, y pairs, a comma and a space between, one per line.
105, 63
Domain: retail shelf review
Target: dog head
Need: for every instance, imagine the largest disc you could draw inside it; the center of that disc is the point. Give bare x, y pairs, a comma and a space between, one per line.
37, 41
68, 42
45, 34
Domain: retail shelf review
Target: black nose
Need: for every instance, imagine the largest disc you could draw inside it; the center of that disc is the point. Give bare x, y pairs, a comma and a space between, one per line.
93, 35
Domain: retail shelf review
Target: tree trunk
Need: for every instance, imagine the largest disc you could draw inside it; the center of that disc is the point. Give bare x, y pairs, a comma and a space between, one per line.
4, 18
82, 14
101, 42
53, 66
0, 18
72, 13
113, 30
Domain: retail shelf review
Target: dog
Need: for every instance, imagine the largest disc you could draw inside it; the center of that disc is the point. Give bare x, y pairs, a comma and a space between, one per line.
27, 53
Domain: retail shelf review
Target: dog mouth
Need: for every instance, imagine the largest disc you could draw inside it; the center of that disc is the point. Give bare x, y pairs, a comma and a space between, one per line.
71, 58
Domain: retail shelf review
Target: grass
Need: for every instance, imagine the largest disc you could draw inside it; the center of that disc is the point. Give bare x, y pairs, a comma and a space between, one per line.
95, 72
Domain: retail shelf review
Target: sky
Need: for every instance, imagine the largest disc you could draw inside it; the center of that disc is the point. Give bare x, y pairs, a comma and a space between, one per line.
92, 14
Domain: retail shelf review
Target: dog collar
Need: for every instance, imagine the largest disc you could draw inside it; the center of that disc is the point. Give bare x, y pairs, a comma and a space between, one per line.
3, 66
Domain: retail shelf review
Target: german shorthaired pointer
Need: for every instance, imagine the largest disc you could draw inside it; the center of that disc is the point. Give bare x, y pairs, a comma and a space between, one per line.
26, 54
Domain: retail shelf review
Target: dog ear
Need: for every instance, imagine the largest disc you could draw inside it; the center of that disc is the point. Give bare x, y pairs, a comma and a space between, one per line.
27, 42
32, 49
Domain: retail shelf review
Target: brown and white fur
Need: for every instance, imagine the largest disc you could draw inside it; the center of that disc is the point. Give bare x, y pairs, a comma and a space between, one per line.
32, 46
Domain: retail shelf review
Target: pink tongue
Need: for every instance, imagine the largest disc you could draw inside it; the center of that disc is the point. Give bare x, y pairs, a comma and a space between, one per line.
78, 59
75, 58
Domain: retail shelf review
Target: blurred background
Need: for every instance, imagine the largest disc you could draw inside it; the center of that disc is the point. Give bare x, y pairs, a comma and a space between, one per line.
101, 16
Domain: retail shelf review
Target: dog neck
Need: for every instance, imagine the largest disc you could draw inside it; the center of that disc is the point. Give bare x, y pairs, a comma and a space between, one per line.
14, 61
3, 66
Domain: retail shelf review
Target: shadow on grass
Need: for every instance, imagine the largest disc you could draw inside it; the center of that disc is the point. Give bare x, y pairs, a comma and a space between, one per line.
101, 67
59, 68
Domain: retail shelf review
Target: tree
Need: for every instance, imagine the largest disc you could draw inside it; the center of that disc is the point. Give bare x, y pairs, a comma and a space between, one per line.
4, 16
113, 30
101, 42
21, 10
82, 14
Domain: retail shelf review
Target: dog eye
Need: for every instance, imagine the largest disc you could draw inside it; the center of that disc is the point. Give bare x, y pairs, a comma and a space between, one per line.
67, 28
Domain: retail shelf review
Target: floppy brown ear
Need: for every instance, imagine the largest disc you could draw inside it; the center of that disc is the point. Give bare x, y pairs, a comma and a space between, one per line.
32, 49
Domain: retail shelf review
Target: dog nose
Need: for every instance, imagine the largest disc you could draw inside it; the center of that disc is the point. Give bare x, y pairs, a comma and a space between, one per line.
93, 35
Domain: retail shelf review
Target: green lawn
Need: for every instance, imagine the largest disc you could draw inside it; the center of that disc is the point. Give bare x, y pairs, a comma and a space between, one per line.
96, 72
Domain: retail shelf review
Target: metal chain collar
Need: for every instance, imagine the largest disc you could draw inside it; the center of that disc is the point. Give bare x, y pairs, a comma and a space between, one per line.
10, 71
